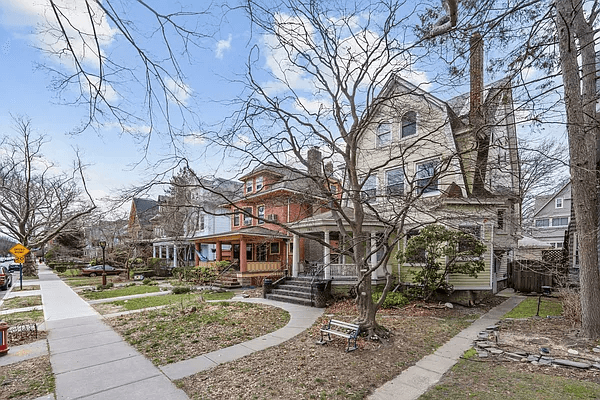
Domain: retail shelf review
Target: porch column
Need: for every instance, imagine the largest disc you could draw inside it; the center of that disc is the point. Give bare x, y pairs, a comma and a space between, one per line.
196, 251
327, 257
153, 251
295, 255
174, 255
373, 252
218, 255
159, 251
243, 261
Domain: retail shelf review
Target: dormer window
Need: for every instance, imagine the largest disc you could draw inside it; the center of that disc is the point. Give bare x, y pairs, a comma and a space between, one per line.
249, 186
259, 183
384, 134
409, 124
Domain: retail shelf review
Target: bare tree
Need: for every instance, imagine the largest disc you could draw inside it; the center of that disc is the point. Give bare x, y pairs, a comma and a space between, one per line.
123, 60
333, 73
546, 40
37, 202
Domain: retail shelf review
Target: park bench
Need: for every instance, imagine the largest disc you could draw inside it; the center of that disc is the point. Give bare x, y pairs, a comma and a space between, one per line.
340, 328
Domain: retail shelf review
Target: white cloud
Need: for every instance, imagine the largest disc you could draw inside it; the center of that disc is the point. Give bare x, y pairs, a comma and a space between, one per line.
81, 30
194, 139
179, 92
222, 46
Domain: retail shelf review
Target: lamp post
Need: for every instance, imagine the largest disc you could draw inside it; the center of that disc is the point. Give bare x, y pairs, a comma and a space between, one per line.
103, 245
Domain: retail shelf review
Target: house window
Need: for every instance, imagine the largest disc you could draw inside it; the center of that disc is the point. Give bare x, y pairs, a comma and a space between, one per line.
427, 180
409, 124
260, 211
384, 134
201, 222
247, 216
261, 252
468, 244
236, 219
274, 248
369, 192
420, 256
542, 223
394, 179
259, 183
500, 219
249, 252
249, 186
558, 202
560, 221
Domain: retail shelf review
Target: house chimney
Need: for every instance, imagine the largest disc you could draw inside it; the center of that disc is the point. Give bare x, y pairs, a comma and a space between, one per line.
476, 72
314, 162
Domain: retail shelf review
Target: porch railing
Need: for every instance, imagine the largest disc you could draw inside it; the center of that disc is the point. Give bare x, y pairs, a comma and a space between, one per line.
263, 266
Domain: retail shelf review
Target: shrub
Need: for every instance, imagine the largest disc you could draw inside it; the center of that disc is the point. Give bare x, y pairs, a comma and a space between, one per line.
147, 281
393, 299
181, 289
103, 287
571, 304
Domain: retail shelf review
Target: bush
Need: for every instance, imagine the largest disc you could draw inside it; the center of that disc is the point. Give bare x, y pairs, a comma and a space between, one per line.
147, 281
181, 289
571, 304
103, 287
393, 299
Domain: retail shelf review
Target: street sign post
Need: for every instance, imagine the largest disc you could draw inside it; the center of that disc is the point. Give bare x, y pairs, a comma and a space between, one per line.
19, 251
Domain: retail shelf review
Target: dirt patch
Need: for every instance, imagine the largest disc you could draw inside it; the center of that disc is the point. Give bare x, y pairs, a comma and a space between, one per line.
173, 334
27, 380
300, 368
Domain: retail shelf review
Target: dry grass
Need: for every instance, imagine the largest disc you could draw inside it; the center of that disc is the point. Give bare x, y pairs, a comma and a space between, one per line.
571, 305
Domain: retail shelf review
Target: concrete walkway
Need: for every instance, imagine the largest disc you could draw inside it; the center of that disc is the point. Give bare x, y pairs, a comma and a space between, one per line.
301, 318
418, 379
89, 359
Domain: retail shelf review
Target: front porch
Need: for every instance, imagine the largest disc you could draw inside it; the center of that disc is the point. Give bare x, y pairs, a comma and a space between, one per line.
254, 253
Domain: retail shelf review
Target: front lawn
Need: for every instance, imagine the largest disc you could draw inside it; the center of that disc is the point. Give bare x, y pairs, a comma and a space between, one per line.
190, 329
182, 300
21, 302
27, 379
35, 316
528, 308
473, 378
118, 292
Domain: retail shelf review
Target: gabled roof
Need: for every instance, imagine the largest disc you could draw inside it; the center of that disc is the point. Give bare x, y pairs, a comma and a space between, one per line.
551, 199
145, 209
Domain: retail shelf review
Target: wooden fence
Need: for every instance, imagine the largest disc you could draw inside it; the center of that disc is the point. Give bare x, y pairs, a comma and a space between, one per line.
529, 276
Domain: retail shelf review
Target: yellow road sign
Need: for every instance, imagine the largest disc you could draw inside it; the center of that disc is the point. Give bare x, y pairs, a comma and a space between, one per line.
19, 250
20, 259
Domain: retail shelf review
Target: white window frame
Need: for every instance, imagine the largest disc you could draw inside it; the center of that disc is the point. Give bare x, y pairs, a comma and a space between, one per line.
396, 189
260, 213
426, 189
247, 216
249, 186
384, 134
559, 202
369, 186
259, 183
408, 124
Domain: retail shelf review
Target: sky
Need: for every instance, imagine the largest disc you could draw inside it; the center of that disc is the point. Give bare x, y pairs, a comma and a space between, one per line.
115, 160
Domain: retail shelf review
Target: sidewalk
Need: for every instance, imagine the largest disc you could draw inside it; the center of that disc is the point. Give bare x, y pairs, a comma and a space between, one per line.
89, 359
418, 379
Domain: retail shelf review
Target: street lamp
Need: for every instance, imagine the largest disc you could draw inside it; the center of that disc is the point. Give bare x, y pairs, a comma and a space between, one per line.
103, 245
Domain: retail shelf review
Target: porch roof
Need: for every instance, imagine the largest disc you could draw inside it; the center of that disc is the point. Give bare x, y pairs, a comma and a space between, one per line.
250, 232
328, 221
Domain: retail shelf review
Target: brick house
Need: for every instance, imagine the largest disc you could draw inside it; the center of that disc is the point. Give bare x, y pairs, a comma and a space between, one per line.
258, 243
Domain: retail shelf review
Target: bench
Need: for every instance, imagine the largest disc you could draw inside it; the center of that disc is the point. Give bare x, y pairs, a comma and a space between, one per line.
340, 328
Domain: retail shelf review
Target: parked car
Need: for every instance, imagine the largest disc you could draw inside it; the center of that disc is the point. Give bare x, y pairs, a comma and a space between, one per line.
6, 280
93, 270
12, 267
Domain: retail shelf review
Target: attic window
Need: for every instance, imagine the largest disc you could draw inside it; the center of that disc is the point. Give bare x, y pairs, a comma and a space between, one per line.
384, 134
409, 124
259, 183
559, 202
249, 186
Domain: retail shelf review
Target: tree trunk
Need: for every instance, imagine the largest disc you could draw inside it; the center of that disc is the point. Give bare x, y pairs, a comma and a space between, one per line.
580, 103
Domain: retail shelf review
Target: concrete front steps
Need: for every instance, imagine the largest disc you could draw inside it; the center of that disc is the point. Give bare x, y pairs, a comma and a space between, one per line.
293, 290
